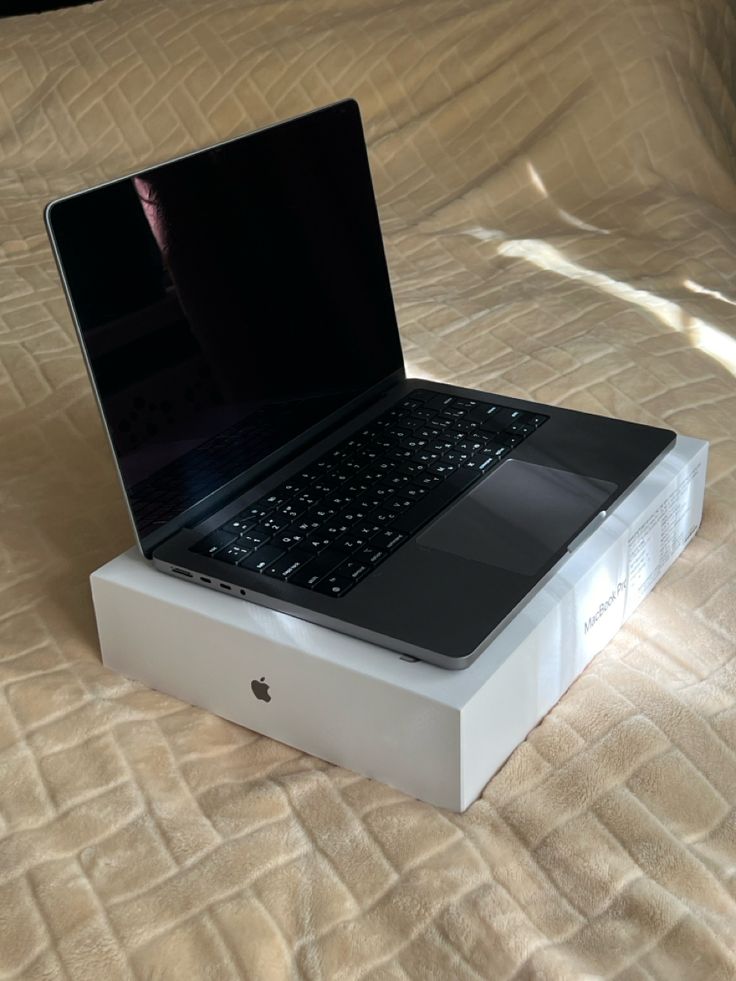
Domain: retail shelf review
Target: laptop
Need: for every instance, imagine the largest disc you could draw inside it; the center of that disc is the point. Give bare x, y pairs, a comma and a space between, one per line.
235, 313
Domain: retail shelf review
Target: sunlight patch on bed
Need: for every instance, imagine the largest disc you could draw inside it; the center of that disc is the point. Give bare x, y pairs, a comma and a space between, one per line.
484, 234
701, 334
571, 219
697, 288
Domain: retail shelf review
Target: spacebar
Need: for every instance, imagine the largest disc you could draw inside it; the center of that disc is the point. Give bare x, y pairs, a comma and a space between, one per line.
438, 499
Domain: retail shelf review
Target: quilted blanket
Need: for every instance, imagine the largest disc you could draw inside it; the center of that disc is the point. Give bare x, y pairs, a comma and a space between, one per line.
556, 184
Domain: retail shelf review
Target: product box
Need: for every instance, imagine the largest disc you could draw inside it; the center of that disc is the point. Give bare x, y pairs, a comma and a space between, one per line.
438, 735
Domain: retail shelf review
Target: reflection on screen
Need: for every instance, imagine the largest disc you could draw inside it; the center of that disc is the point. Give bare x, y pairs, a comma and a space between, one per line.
228, 302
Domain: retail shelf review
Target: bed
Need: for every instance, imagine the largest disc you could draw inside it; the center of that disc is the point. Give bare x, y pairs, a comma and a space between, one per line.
557, 189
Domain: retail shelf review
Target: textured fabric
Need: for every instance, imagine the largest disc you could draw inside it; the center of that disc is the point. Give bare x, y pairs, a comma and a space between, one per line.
556, 186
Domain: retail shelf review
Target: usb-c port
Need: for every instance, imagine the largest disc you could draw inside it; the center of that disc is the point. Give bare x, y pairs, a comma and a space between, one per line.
224, 585
205, 579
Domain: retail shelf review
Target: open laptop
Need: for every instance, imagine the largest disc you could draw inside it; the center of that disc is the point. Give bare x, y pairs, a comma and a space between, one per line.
235, 313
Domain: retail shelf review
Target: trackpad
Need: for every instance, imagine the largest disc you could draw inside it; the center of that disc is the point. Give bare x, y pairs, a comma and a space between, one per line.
519, 517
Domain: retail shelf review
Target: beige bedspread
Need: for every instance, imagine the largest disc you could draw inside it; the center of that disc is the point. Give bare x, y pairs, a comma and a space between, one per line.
556, 185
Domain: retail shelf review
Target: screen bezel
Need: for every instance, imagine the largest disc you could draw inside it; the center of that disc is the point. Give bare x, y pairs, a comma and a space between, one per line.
199, 510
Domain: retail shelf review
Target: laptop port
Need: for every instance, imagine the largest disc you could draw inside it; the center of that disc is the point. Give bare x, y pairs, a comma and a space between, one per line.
224, 585
183, 572
205, 579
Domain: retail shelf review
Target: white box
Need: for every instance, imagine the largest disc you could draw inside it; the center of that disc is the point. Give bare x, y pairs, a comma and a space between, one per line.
438, 735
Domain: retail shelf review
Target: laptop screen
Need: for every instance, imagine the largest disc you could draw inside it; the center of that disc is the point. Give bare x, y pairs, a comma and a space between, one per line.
228, 302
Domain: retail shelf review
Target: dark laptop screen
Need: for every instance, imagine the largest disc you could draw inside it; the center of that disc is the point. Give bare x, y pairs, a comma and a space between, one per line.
227, 302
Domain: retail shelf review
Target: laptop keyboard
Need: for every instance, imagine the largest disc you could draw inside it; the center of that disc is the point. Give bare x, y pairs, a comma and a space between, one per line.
329, 526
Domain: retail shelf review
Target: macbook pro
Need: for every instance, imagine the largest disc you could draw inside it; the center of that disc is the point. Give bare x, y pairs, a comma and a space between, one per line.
236, 317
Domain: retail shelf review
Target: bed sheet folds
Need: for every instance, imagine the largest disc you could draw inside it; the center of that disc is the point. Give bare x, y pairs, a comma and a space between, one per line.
556, 187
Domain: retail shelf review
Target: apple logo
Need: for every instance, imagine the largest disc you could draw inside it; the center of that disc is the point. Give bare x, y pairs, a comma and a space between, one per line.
260, 690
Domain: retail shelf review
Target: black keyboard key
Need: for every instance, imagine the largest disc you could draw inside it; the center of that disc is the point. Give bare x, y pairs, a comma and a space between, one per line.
262, 558
320, 514
483, 412
469, 446
427, 480
484, 462
306, 525
316, 470
277, 522
357, 489
354, 569
366, 503
441, 468
457, 457
317, 542
320, 566
291, 511
439, 401
395, 480
256, 511
305, 501
440, 446
412, 469
239, 526
254, 537
334, 529
333, 585
292, 488
388, 539
288, 539
409, 422
412, 493
286, 566
350, 543
384, 442
371, 556
497, 449
367, 456
214, 542
233, 554
304, 576
339, 501
365, 529
508, 439
322, 488
413, 443
401, 454
501, 419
